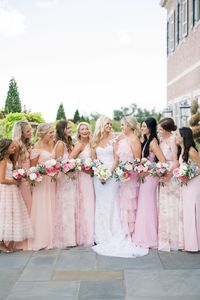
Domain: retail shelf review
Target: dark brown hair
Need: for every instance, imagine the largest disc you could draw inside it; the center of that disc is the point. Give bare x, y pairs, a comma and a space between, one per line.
168, 124
188, 142
4, 145
60, 135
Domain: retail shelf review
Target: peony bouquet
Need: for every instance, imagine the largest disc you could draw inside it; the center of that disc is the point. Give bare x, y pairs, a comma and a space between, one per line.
142, 167
67, 165
19, 173
52, 168
185, 172
102, 173
124, 171
33, 175
159, 170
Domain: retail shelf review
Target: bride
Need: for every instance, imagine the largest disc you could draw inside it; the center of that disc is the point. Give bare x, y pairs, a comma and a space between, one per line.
110, 238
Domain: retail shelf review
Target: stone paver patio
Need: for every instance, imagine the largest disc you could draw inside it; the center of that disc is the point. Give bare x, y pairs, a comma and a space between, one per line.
80, 274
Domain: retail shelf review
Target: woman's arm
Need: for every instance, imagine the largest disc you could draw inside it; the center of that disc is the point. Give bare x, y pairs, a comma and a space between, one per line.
78, 148
59, 150
136, 148
157, 151
3, 179
194, 156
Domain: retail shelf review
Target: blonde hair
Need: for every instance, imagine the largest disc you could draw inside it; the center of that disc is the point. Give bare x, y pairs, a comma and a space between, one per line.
17, 135
99, 129
78, 130
42, 129
132, 123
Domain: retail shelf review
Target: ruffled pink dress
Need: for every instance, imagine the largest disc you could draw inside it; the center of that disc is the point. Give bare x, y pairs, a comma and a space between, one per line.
146, 225
65, 222
190, 195
85, 205
128, 191
43, 206
170, 215
15, 223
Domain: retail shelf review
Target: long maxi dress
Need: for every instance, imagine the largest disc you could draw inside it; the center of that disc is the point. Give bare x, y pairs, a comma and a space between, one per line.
43, 206
146, 225
64, 225
128, 191
190, 195
170, 216
85, 205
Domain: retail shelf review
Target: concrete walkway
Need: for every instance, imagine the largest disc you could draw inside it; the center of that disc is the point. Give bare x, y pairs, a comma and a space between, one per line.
80, 274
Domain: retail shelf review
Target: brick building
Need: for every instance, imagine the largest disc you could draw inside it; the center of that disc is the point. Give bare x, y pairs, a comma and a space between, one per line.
183, 57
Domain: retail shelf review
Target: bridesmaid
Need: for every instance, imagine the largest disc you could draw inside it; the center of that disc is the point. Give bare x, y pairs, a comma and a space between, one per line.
43, 197
64, 231
85, 191
129, 148
191, 192
146, 225
170, 227
22, 133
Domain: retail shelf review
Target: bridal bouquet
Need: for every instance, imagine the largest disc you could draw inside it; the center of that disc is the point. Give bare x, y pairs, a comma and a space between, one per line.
19, 173
159, 170
52, 168
33, 175
142, 167
102, 173
124, 171
185, 172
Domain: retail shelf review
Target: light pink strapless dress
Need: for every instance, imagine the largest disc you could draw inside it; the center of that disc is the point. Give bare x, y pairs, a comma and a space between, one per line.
66, 193
128, 191
85, 205
43, 207
146, 225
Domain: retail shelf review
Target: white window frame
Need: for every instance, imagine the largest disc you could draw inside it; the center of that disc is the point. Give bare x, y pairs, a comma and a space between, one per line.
171, 32
196, 11
184, 17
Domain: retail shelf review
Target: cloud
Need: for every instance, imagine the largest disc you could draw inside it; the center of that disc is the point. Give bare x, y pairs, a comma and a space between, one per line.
12, 23
46, 3
124, 38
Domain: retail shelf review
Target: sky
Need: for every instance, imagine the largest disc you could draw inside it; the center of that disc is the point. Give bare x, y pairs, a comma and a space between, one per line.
94, 55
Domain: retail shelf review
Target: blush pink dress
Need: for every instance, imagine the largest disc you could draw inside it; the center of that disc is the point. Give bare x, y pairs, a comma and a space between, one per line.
15, 223
190, 195
43, 206
128, 191
64, 228
146, 225
170, 216
85, 205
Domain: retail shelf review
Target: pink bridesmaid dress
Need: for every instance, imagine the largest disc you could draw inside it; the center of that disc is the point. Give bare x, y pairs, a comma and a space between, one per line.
65, 229
25, 187
146, 224
170, 217
85, 205
128, 191
43, 206
15, 223
190, 195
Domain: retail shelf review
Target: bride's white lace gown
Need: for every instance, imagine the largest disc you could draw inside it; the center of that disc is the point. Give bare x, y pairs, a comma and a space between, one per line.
109, 235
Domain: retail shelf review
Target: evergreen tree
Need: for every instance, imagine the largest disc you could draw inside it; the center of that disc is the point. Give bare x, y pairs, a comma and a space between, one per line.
13, 103
61, 113
77, 117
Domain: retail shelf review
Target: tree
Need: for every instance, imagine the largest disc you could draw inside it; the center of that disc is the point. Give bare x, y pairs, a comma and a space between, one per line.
76, 116
194, 121
13, 103
61, 113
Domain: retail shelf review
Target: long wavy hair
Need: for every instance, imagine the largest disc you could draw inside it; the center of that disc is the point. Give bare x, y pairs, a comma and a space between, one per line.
42, 129
61, 136
152, 126
99, 130
188, 142
17, 135
4, 145
132, 123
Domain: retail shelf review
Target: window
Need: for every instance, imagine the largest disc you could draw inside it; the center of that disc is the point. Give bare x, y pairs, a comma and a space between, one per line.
184, 17
170, 33
196, 11
178, 23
